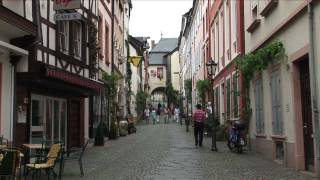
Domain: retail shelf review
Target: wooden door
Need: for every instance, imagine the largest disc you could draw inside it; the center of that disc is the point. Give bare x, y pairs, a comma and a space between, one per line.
74, 124
307, 115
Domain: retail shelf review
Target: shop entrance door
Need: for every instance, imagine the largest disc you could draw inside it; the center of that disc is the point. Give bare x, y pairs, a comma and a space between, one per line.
307, 115
48, 119
37, 123
74, 130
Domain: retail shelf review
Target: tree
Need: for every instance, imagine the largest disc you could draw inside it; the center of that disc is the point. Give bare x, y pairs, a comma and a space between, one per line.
202, 87
110, 81
172, 95
141, 99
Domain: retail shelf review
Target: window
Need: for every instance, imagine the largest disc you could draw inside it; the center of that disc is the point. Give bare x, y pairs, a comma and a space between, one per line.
276, 103
216, 103
106, 45
255, 20
235, 95
64, 36
228, 98
254, 9
258, 97
254, 13
77, 30
100, 30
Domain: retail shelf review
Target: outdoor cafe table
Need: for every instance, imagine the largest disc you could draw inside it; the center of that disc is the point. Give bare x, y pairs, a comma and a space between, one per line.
32, 146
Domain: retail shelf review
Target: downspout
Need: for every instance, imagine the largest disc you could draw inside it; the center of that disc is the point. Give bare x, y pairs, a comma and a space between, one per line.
112, 38
112, 63
314, 88
14, 59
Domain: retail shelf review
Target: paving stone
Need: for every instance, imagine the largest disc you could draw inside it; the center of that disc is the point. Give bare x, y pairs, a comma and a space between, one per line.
167, 152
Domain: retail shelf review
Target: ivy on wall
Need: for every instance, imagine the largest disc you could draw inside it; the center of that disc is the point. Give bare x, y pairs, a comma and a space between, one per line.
129, 82
251, 63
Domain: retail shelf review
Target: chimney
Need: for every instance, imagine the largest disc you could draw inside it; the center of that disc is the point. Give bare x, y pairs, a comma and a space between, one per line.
153, 44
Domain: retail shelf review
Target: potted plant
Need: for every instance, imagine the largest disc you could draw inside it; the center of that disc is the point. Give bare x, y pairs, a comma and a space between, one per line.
99, 138
113, 130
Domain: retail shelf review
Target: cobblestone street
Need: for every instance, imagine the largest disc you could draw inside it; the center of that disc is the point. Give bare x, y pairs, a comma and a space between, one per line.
166, 151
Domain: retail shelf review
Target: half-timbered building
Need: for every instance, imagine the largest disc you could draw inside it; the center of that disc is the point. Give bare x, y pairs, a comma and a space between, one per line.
61, 73
17, 34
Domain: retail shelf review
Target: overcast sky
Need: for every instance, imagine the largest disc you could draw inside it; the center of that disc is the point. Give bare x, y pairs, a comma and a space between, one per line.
151, 17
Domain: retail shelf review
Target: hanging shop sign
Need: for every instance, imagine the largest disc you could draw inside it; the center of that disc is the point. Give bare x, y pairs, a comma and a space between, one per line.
67, 16
66, 4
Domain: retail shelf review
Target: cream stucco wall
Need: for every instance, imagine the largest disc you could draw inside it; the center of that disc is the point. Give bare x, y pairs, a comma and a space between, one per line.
317, 44
135, 80
154, 81
175, 70
6, 96
106, 22
294, 37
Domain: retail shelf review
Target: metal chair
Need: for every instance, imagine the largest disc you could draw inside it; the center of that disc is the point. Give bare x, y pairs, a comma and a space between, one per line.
52, 157
9, 163
75, 154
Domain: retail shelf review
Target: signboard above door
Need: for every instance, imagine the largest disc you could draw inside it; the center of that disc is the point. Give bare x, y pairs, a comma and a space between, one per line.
66, 4
67, 16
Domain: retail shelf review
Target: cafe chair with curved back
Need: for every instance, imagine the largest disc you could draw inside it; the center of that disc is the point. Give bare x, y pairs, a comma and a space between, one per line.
76, 154
9, 163
52, 157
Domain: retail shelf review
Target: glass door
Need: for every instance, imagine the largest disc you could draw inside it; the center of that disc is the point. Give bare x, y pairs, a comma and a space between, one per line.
56, 119
48, 119
37, 124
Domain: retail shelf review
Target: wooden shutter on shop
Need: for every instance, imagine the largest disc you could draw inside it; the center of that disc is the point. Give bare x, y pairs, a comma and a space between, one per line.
276, 103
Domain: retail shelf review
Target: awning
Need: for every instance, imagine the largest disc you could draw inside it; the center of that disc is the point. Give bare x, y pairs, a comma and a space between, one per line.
58, 82
13, 49
74, 79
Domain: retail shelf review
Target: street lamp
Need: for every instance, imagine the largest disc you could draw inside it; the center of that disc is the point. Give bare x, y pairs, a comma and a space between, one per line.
211, 69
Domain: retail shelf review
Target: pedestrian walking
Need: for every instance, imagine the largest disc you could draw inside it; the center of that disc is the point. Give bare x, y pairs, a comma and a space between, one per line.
147, 115
176, 114
166, 114
153, 115
158, 115
198, 117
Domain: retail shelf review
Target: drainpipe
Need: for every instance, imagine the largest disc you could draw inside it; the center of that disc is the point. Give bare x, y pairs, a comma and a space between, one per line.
314, 88
14, 59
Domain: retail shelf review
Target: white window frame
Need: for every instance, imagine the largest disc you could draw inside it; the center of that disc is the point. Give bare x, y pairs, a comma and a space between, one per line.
64, 36
77, 39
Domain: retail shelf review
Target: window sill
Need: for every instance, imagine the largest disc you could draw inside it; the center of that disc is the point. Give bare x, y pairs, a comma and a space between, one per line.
278, 137
269, 7
261, 136
254, 25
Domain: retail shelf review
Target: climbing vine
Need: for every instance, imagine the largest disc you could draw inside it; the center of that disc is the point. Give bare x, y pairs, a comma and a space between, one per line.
94, 48
250, 63
141, 99
129, 82
253, 62
188, 87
